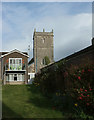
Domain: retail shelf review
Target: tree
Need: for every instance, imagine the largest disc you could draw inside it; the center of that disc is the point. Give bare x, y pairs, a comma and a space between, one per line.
46, 60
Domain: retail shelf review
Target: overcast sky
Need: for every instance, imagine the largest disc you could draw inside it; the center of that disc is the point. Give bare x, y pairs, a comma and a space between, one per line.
71, 22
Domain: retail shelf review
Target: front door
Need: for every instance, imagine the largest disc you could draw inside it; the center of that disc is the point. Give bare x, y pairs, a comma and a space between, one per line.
15, 77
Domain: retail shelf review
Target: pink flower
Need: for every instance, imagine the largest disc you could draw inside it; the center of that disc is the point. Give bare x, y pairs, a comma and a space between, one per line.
87, 104
79, 77
90, 89
85, 90
87, 95
81, 89
83, 71
82, 95
80, 98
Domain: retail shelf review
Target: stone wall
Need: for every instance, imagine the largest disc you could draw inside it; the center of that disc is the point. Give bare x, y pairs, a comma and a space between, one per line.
15, 82
31, 68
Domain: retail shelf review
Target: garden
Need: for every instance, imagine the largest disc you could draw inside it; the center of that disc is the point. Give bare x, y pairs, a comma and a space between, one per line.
71, 89
57, 92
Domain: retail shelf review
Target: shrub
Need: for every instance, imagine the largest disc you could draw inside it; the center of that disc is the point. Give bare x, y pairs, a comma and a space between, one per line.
82, 80
51, 79
72, 88
46, 60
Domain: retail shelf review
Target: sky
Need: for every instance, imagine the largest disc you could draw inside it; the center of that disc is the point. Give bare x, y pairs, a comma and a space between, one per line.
71, 22
47, 0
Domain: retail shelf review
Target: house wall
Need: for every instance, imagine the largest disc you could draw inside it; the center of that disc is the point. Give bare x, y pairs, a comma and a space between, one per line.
43, 46
31, 68
16, 55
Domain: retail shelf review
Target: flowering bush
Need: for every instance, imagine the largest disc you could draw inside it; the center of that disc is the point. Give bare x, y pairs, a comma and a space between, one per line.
75, 86
82, 80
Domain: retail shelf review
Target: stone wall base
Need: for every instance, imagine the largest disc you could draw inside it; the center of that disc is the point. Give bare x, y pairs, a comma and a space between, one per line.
15, 82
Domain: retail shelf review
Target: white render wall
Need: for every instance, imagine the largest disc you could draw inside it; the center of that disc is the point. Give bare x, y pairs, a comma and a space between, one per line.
32, 75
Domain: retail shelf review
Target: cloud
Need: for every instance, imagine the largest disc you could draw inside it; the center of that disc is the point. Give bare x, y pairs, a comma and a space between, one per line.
72, 32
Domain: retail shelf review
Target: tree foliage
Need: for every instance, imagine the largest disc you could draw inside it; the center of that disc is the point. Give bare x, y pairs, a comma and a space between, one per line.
46, 60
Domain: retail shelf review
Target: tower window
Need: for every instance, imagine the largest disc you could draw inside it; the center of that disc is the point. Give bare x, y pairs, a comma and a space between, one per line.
43, 61
43, 40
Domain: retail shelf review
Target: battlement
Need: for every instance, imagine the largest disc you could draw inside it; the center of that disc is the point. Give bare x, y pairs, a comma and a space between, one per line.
44, 33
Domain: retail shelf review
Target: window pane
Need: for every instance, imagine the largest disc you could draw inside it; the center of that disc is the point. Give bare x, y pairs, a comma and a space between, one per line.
15, 64
10, 61
13, 61
16, 61
20, 61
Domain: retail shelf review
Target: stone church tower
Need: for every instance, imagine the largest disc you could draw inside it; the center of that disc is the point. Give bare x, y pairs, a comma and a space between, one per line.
42, 48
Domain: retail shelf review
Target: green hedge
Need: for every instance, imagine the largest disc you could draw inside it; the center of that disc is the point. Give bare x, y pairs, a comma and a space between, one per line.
51, 79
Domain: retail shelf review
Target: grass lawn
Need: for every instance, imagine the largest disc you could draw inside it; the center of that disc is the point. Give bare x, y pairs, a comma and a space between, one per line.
25, 101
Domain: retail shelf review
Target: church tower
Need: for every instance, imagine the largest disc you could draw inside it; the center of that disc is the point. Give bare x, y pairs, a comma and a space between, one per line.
42, 49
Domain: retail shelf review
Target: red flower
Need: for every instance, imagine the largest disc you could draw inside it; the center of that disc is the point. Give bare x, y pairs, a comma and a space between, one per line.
83, 71
89, 70
80, 98
23, 61
90, 89
82, 95
87, 104
85, 90
79, 77
87, 95
81, 89
7, 60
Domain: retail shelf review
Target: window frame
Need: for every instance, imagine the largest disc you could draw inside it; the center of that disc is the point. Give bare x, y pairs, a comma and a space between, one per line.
15, 62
